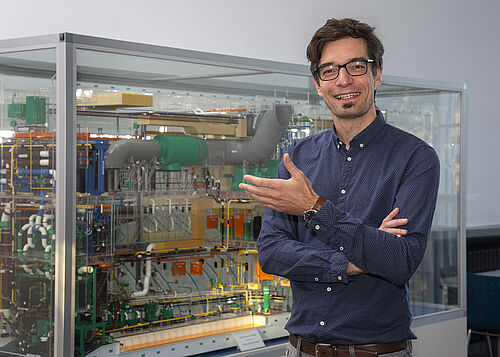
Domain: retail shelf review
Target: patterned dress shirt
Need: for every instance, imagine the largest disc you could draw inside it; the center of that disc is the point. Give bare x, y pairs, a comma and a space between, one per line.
384, 168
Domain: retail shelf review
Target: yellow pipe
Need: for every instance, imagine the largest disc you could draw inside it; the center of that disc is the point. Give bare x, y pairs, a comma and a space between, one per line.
38, 145
12, 169
12, 225
241, 269
127, 327
178, 318
248, 251
113, 277
164, 301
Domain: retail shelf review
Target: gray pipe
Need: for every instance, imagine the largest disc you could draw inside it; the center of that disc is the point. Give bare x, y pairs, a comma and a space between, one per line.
255, 150
220, 152
120, 151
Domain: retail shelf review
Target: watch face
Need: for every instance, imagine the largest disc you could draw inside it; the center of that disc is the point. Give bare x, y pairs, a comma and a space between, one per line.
309, 214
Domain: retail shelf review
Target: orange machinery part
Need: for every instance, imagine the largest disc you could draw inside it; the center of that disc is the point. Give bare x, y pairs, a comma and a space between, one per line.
195, 267
179, 268
259, 273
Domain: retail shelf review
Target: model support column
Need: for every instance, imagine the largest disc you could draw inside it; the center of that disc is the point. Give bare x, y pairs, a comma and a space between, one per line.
65, 200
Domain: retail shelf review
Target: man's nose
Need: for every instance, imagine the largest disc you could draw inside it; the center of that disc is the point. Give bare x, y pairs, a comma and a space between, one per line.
344, 78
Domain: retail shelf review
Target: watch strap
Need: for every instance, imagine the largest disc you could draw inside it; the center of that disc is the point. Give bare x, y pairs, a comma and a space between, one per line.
319, 203
311, 212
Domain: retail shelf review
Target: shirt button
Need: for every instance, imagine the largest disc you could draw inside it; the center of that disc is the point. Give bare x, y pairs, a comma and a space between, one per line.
339, 277
361, 145
342, 191
341, 248
328, 289
322, 323
316, 279
349, 158
317, 227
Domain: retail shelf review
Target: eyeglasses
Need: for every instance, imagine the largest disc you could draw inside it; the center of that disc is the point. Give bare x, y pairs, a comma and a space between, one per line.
328, 72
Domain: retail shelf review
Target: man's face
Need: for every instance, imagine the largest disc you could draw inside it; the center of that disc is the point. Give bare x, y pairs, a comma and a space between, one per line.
348, 97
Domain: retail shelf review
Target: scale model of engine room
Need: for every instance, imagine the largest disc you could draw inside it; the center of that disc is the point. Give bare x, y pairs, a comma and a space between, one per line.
166, 241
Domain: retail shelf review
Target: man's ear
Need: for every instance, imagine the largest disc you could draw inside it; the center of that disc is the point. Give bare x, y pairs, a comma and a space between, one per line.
378, 78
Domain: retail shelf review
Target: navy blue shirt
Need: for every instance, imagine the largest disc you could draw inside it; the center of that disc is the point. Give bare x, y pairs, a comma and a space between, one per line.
384, 168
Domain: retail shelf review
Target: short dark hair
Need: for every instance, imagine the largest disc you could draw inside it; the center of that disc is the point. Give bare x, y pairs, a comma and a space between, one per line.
336, 29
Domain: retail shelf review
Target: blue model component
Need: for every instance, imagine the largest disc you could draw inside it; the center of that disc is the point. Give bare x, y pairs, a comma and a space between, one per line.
101, 217
24, 184
34, 172
33, 182
95, 172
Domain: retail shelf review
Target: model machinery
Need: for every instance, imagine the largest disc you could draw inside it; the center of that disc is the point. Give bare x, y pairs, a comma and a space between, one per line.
165, 239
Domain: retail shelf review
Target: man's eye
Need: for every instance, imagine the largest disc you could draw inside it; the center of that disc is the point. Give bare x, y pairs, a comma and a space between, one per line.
328, 71
357, 66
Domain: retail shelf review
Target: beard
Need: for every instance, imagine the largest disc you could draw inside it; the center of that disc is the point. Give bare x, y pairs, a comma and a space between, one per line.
350, 110
345, 110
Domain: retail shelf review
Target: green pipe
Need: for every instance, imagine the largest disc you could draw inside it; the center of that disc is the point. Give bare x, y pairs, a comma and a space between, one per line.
180, 150
266, 300
20, 241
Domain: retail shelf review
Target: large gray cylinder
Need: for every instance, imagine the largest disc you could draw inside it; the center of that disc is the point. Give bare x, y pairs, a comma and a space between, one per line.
257, 149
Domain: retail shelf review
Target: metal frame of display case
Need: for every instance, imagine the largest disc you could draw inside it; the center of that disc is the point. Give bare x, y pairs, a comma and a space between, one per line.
66, 45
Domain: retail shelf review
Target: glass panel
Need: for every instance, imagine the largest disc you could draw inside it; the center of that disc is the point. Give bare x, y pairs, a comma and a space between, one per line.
165, 239
161, 233
148, 72
27, 202
434, 116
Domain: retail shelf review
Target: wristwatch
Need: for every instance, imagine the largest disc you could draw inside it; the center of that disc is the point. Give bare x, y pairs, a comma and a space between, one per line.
311, 212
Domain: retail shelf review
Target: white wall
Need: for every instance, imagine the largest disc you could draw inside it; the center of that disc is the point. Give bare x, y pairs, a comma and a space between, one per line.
443, 339
442, 40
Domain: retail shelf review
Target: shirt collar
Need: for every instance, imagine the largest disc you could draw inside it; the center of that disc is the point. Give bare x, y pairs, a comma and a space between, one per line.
363, 138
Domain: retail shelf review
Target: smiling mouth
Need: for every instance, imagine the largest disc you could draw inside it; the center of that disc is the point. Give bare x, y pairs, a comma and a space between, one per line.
347, 96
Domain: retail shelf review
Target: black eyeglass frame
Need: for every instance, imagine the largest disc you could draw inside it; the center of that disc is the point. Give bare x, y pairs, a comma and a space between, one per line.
366, 61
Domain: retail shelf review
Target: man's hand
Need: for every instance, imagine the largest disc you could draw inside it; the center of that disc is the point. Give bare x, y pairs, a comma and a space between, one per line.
296, 195
389, 224
292, 196
353, 269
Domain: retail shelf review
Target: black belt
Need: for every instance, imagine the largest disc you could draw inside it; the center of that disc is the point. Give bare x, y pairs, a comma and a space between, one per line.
326, 350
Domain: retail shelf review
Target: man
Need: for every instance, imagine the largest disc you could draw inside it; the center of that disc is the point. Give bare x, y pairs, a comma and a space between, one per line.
331, 226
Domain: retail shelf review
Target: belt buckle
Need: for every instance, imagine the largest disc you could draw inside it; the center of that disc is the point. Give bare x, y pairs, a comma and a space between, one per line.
319, 345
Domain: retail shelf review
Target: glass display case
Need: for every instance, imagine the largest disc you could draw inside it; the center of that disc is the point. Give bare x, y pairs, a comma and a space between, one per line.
123, 228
